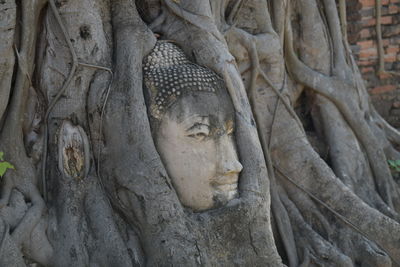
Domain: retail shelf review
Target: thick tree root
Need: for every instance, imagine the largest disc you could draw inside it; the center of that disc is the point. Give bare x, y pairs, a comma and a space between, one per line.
8, 13
326, 86
23, 178
319, 250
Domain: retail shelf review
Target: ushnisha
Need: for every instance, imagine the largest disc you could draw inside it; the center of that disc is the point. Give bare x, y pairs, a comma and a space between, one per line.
168, 74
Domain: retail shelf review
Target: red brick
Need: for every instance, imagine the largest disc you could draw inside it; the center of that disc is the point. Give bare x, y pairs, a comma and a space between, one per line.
368, 53
386, 42
367, 62
383, 89
365, 33
390, 58
392, 49
371, 3
394, 1
393, 9
386, 20
367, 3
384, 75
366, 44
367, 69
368, 22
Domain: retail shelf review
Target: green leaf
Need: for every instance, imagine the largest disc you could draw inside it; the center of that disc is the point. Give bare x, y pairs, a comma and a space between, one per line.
1, 156
392, 163
4, 166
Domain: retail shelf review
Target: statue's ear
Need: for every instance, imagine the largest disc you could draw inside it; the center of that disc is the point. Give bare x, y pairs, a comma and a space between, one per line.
150, 92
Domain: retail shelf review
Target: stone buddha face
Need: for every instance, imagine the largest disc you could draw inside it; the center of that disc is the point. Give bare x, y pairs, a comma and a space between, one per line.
195, 141
193, 132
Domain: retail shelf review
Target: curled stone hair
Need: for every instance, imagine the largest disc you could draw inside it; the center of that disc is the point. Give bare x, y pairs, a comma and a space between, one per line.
168, 75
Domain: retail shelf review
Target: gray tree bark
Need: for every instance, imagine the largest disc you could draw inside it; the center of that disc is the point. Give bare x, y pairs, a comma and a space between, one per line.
89, 187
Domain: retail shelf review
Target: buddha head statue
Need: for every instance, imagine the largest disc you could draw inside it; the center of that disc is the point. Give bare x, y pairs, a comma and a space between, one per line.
192, 122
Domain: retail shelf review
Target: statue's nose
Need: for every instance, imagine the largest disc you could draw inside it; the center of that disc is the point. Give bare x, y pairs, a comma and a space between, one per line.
228, 159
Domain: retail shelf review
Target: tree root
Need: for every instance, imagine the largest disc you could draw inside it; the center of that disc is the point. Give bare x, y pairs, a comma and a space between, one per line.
322, 203
10, 255
326, 86
61, 92
346, 145
392, 134
8, 13
354, 173
249, 43
381, 72
203, 22
309, 210
158, 21
278, 210
316, 249
341, 69
345, 205
23, 178
343, 18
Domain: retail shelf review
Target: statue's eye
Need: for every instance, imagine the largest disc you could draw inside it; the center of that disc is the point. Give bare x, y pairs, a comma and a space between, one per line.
199, 136
199, 131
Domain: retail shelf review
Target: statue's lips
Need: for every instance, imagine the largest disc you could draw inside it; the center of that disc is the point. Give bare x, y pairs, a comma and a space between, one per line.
227, 187
226, 183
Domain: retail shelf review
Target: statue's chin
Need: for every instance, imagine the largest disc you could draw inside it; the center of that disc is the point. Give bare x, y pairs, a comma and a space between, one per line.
225, 193
222, 194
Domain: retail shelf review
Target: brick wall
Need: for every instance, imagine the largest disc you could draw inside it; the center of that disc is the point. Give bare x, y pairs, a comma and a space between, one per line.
384, 90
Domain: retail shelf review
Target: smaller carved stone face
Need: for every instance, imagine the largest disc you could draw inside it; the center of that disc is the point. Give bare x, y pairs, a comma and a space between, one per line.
195, 141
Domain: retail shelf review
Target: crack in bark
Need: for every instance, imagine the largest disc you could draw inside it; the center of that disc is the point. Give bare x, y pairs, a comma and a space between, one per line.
251, 239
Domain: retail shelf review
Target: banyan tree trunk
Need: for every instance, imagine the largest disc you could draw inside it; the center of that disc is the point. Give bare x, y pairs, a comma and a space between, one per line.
89, 187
